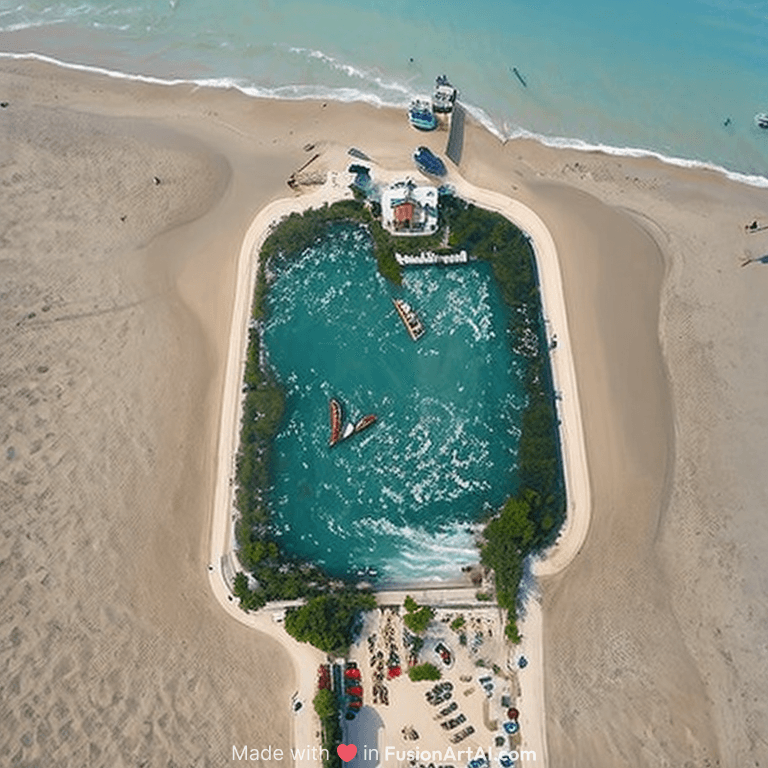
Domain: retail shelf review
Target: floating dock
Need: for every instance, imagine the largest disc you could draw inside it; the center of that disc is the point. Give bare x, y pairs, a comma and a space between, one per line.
429, 257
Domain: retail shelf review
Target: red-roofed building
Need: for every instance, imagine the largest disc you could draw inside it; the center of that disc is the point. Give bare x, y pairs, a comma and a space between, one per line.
408, 209
403, 215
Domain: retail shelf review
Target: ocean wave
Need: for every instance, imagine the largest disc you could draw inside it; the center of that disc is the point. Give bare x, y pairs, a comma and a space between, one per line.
46, 20
114, 27
9, 11
299, 92
22, 25
561, 142
352, 71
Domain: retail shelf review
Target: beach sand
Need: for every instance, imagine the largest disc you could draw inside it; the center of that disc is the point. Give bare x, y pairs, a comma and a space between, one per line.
118, 295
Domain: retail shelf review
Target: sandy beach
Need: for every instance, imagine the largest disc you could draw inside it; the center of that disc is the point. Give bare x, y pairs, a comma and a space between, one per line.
118, 299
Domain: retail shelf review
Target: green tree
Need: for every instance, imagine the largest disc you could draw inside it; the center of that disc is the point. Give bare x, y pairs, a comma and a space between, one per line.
240, 587
418, 621
511, 531
328, 621
508, 538
324, 703
417, 618
250, 600
512, 632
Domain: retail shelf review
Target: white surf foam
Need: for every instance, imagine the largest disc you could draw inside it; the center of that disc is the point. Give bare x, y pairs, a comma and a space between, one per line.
300, 92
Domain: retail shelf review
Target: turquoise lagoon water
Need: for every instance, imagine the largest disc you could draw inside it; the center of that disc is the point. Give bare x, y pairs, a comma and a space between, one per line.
404, 496
659, 76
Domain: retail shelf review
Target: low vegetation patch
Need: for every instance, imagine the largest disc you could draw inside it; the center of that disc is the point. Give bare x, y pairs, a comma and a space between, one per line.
458, 623
425, 671
328, 709
325, 703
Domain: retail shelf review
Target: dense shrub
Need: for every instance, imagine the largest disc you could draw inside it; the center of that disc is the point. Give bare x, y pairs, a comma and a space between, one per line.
328, 621
325, 703
417, 618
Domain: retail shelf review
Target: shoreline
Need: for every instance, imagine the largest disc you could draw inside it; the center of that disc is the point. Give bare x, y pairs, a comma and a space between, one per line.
477, 113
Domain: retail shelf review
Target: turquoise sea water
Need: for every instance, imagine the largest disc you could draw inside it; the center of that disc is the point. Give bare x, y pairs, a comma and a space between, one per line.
657, 76
403, 496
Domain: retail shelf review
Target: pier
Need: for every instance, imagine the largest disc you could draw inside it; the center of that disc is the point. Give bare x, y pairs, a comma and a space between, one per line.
429, 257
456, 136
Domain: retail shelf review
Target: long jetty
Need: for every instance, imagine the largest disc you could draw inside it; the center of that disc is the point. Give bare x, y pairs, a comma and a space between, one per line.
456, 136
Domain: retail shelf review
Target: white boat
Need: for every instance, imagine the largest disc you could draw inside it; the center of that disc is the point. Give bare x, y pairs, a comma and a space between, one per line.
410, 319
444, 95
421, 115
761, 120
348, 431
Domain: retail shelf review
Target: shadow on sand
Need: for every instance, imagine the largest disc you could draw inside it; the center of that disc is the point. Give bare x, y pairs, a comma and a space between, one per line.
364, 732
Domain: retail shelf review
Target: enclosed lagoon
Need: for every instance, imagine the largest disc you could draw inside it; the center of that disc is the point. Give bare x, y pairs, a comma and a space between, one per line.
404, 497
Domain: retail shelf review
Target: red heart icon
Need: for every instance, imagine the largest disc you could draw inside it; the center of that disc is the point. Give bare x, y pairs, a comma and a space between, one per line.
346, 751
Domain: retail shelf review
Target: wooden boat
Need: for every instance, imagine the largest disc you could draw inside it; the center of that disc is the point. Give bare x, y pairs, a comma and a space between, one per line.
336, 421
365, 422
410, 319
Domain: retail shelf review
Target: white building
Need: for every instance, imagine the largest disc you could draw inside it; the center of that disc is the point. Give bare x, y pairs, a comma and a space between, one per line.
409, 210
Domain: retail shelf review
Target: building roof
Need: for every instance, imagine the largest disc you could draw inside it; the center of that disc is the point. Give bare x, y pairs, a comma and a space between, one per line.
403, 212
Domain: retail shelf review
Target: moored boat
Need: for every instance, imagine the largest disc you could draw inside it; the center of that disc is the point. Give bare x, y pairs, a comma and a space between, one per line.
341, 431
761, 120
365, 422
410, 319
421, 115
336, 421
427, 162
444, 95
